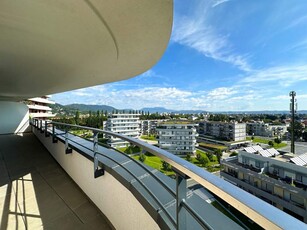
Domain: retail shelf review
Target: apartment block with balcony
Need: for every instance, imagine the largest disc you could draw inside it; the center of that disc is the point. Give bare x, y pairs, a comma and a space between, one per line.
149, 127
273, 178
39, 107
229, 131
52, 179
124, 123
179, 139
265, 130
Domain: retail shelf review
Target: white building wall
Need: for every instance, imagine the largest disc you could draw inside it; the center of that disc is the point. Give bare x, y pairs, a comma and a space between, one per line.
116, 202
125, 124
14, 117
179, 139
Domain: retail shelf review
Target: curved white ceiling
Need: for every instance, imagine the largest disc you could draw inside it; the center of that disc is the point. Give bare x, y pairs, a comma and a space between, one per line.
54, 46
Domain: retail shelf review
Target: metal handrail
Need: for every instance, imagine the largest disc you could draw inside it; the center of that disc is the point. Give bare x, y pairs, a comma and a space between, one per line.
256, 209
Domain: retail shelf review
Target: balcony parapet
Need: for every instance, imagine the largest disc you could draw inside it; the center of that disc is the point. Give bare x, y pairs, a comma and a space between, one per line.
259, 211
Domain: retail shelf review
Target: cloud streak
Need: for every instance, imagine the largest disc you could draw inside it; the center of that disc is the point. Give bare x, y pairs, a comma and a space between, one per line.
197, 32
283, 76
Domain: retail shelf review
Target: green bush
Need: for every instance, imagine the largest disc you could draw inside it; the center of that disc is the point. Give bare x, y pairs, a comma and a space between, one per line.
142, 157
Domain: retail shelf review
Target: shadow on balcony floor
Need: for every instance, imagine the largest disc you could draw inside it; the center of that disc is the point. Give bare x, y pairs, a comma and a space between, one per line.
36, 193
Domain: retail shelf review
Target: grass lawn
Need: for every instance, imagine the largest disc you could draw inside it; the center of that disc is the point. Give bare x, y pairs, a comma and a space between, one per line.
149, 137
265, 141
130, 149
156, 163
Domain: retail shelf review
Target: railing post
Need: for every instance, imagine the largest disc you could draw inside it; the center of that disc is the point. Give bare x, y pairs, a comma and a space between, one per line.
67, 149
46, 131
97, 171
54, 139
181, 195
41, 126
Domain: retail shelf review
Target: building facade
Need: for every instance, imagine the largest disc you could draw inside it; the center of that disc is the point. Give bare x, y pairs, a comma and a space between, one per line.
266, 130
149, 127
179, 139
229, 131
273, 179
127, 124
39, 107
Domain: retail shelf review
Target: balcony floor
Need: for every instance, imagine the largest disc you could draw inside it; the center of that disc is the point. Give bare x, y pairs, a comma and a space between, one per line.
36, 193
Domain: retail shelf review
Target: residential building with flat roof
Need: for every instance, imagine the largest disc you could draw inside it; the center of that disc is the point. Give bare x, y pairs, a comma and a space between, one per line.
274, 178
260, 128
149, 127
39, 107
177, 138
229, 131
124, 123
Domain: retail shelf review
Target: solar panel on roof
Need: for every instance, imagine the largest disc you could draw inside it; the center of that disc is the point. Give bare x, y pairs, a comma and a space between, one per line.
265, 153
273, 151
249, 150
257, 148
298, 161
303, 158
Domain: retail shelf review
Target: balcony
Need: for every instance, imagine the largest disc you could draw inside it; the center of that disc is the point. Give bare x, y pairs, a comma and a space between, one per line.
150, 195
35, 192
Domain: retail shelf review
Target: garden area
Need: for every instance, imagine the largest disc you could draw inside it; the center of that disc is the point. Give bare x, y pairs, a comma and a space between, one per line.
212, 147
208, 161
276, 143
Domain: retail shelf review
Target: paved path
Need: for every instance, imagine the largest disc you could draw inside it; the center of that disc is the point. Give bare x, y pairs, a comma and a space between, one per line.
36, 193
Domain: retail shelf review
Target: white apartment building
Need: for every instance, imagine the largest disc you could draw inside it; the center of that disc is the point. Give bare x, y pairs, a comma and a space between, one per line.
148, 127
125, 123
266, 130
229, 131
177, 138
39, 107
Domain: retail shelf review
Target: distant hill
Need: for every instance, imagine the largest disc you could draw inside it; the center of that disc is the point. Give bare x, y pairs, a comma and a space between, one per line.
258, 112
72, 108
85, 108
164, 110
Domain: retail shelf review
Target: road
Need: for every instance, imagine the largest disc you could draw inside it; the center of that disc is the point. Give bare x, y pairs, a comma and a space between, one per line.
300, 147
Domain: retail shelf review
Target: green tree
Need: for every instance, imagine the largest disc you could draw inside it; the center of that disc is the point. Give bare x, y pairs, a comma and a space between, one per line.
188, 157
277, 140
210, 156
204, 160
77, 117
142, 157
166, 166
271, 143
218, 154
298, 129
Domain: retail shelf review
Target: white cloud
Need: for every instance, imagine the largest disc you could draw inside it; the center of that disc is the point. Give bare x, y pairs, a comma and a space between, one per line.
196, 31
283, 76
219, 2
221, 93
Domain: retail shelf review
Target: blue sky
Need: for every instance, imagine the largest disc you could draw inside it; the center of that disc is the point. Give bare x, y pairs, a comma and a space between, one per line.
238, 55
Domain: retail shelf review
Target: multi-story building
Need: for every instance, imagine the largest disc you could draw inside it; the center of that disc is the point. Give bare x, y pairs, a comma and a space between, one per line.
177, 138
278, 180
148, 127
229, 131
266, 130
124, 123
39, 107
